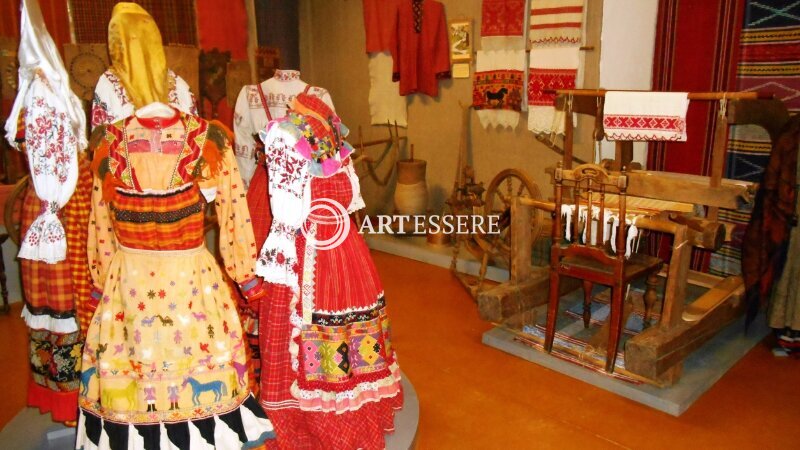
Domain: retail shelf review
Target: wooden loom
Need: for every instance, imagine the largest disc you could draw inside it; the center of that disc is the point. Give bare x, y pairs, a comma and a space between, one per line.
655, 355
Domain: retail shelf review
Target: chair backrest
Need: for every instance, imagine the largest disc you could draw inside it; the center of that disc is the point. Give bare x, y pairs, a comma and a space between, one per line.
586, 186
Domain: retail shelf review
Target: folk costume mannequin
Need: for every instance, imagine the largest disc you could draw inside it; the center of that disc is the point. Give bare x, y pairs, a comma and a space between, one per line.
258, 104
47, 122
330, 379
164, 360
138, 74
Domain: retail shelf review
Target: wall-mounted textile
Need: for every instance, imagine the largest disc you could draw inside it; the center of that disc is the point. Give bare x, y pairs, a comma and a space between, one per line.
556, 21
497, 87
421, 52
502, 24
176, 19
696, 51
645, 116
222, 25
385, 102
768, 61
550, 68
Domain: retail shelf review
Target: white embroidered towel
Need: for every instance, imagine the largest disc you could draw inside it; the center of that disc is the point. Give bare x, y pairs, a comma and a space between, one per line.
645, 116
498, 86
550, 68
385, 102
556, 22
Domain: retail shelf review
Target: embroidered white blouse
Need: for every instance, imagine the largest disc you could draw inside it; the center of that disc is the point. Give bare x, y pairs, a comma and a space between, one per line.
289, 174
111, 102
52, 148
250, 117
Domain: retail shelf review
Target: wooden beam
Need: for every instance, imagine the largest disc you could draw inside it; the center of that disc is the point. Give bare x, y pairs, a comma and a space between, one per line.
688, 189
731, 286
505, 300
770, 114
655, 351
521, 241
675, 289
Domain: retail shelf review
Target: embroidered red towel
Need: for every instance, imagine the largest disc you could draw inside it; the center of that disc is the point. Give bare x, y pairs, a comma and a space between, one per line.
645, 116
556, 21
550, 68
502, 24
497, 87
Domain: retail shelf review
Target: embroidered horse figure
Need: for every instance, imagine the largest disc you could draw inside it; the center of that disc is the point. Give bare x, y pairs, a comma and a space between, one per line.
241, 370
217, 387
199, 316
148, 321
128, 393
498, 96
85, 377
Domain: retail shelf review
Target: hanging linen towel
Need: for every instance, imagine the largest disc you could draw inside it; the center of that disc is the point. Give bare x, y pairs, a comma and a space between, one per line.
385, 102
556, 22
645, 116
550, 68
503, 25
497, 87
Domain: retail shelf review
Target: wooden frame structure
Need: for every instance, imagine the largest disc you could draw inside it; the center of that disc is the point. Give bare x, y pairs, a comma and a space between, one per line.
655, 355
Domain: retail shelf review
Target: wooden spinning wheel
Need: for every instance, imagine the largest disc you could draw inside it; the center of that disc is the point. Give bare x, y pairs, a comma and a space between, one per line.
495, 248
507, 185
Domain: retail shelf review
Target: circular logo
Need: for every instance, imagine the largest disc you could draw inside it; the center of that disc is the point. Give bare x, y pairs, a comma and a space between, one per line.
326, 212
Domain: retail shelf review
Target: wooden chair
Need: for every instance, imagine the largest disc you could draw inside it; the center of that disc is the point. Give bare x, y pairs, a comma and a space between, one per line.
589, 261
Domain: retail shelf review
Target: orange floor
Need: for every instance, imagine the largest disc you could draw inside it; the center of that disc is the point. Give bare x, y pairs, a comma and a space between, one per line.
476, 397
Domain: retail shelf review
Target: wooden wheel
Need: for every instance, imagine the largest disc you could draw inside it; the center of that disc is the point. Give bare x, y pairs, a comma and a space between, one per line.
12, 214
504, 188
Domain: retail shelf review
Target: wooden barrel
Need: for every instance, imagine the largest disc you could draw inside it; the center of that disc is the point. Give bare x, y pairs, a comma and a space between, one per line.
411, 192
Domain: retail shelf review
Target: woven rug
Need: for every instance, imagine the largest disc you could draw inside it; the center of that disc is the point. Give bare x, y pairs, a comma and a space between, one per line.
176, 20
769, 61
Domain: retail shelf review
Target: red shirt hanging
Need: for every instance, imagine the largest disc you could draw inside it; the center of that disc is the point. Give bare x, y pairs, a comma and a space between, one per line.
421, 51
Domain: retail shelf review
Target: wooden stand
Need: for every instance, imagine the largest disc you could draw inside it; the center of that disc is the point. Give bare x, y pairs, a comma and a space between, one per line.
657, 353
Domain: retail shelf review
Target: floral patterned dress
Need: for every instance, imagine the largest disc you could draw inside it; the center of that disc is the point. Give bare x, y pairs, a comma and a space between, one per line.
164, 362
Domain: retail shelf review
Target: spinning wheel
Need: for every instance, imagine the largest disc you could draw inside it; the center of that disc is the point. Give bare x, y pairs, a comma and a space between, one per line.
504, 188
495, 248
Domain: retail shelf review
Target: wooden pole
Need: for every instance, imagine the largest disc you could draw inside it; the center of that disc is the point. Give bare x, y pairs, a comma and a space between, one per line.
691, 95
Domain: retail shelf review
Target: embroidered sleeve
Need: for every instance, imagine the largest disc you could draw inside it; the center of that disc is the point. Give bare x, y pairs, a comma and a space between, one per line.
236, 242
289, 197
102, 244
357, 202
52, 149
181, 97
244, 131
110, 102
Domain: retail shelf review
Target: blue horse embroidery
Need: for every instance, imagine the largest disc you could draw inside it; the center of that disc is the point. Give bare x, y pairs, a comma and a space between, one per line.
217, 387
85, 377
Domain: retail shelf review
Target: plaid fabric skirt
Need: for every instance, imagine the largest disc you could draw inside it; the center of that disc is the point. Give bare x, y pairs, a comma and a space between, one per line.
258, 204
58, 291
332, 382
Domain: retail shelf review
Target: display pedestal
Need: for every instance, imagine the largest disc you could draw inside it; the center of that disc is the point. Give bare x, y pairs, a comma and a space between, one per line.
701, 369
30, 430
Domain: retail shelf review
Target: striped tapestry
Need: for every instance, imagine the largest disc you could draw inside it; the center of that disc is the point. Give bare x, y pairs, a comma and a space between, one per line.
769, 61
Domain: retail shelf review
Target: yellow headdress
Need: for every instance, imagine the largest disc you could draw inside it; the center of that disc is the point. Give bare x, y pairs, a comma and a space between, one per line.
137, 54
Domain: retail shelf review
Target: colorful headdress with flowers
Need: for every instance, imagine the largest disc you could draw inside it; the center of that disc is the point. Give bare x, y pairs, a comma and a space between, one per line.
320, 135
